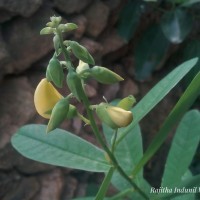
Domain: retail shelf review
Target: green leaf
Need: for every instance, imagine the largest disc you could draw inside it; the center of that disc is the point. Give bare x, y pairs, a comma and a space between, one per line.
84, 198
150, 0
60, 148
81, 52
128, 153
190, 3
129, 19
182, 150
184, 103
89, 198
157, 93
176, 25
190, 196
150, 52
191, 183
130, 150
178, 1
191, 50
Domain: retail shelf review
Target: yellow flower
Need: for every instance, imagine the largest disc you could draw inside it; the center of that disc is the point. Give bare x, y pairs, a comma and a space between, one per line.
115, 117
45, 98
119, 116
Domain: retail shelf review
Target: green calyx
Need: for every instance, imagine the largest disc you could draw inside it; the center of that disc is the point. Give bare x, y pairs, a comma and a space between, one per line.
104, 75
47, 30
83, 70
67, 27
80, 52
75, 85
114, 116
55, 72
127, 102
58, 114
102, 113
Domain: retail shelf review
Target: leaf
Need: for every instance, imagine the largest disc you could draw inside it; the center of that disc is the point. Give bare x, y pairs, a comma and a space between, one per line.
157, 93
129, 19
84, 198
191, 50
60, 148
89, 198
176, 25
192, 182
184, 103
128, 153
182, 150
177, 1
150, 52
190, 3
150, 0
189, 196
81, 52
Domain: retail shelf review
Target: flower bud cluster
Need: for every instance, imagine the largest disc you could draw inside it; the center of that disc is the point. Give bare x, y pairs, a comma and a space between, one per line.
51, 105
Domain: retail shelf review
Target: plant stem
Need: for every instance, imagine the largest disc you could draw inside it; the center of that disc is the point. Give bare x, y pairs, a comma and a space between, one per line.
94, 126
107, 150
114, 141
105, 184
66, 55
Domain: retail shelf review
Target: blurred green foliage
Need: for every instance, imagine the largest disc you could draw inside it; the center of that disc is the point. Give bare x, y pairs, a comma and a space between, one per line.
158, 27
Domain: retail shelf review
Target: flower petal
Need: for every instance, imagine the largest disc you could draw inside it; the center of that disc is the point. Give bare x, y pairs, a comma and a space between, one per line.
119, 116
45, 98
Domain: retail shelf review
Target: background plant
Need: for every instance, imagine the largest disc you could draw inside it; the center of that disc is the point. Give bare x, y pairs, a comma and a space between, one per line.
170, 32
123, 168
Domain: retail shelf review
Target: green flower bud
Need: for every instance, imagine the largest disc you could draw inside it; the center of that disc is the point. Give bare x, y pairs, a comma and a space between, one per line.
104, 75
55, 72
74, 84
67, 27
113, 116
47, 30
81, 52
58, 114
70, 26
127, 102
83, 70
51, 24
56, 20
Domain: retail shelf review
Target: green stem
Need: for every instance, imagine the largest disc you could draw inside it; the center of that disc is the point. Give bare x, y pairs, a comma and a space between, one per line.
114, 141
87, 122
64, 50
105, 184
94, 126
107, 150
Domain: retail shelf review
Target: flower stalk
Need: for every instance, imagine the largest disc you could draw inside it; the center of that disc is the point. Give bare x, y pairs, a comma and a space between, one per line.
114, 116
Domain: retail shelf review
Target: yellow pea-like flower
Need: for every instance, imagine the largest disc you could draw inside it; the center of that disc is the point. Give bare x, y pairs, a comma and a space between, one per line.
45, 98
113, 116
119, 116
